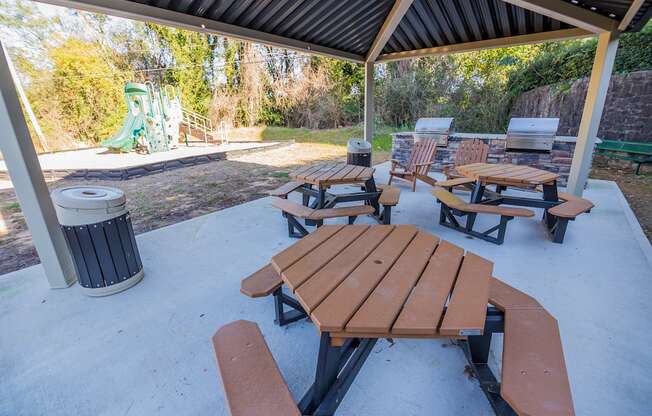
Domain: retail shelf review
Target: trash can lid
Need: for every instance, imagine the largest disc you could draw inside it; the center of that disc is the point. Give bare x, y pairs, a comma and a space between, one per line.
88, 197
358, 146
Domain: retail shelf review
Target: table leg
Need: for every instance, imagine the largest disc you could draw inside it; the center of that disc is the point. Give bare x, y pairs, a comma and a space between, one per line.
550, 194
337, 367
478, 191
306, 196
370, 186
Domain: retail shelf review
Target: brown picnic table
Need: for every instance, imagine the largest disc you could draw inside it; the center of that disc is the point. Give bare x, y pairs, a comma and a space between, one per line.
508, 175
359, 283
318, 178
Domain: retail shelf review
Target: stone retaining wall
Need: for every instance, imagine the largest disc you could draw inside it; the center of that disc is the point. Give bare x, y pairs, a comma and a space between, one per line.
557, 161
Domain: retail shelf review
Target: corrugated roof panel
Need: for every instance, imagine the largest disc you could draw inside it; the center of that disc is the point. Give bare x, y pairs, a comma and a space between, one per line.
352, 25
464, 21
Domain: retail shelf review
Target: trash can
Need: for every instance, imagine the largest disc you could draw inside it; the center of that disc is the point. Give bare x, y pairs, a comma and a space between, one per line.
98, 230
359, 153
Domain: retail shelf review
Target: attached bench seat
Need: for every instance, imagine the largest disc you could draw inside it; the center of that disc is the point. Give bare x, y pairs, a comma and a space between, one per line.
266, 281
454, 182
534, 379
557, 217
389, 198
452, 206
253, 384
283, 190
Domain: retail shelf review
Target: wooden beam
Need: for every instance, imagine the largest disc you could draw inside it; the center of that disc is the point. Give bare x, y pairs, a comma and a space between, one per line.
631, 12
391, 22
369, 101
596, 95
142, 12
487, 44
568, 13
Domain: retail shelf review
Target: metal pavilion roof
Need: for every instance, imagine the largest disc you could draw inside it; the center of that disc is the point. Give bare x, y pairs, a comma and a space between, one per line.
349, 29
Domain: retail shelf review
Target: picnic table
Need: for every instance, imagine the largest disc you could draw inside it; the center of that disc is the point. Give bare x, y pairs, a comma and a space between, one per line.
326, 175
359, 283
506, 175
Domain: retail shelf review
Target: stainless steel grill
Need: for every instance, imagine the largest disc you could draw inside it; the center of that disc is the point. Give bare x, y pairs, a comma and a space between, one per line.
531, 133
434, 129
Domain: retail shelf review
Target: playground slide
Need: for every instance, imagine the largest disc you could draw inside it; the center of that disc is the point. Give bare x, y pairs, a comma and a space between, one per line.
124, 140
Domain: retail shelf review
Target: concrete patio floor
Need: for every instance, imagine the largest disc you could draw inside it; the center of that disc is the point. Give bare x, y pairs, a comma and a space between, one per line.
147, 350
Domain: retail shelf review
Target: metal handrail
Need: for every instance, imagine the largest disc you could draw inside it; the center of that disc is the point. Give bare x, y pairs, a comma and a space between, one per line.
198, 122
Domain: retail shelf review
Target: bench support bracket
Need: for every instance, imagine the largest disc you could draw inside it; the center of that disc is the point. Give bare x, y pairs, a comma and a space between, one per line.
282, 317
447, 219
476, 350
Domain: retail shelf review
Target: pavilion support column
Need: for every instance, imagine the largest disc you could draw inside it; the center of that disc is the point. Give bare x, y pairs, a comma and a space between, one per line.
369, 101
32, 192
596, 95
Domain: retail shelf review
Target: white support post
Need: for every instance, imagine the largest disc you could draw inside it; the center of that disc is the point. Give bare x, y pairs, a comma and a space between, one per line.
25, 172
369, 101
596, 95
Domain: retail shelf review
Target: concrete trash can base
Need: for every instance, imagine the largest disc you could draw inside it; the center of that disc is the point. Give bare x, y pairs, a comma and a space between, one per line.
100, 236
358, 153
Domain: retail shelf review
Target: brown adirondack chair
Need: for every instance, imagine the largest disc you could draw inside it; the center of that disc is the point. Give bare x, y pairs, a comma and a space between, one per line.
423, 155
470, 151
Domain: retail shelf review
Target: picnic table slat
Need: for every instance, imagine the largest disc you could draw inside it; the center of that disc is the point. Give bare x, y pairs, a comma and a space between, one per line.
534, 380
422, 311
326, 174
309, 264
343, 173
322, 283
506, 174
335, 311
290, 255
383, 305
467, 308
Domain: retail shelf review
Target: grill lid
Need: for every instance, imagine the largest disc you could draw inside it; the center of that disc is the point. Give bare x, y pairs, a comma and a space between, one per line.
542, 127
436, 125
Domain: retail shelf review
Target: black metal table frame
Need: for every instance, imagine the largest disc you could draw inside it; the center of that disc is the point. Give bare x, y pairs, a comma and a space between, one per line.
324, 199
480, 195
337, 367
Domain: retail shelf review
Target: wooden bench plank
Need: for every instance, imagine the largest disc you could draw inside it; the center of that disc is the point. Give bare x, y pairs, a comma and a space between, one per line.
534, 378
422, 311
389, 195
283, 190
253, 384
321, 284
505, 297
300, 271
261, 283
347, 211
292, 208
450, 183
383, 305
290, 255
453, 201
498, 210
336, 310
571, 209
467, 308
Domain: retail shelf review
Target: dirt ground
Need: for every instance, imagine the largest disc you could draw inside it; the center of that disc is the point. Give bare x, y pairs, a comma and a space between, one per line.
170, 197
637, 189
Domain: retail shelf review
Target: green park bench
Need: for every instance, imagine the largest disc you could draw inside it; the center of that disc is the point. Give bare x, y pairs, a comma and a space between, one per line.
637, 152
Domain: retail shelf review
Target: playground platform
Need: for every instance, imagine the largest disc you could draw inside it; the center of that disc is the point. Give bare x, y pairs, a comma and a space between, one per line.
100, 163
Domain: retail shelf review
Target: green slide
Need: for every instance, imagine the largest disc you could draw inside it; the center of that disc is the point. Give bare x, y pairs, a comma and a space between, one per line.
125, 140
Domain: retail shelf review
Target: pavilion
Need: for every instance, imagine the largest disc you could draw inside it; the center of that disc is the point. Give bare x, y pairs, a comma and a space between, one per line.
361, 31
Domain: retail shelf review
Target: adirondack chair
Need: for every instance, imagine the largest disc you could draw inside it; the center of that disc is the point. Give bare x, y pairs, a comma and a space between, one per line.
423, 155
470, 151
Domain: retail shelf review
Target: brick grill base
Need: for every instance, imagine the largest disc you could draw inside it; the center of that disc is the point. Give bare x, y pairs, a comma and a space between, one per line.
557, 161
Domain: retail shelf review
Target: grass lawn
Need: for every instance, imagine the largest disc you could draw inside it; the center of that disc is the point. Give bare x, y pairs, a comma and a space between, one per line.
382, 136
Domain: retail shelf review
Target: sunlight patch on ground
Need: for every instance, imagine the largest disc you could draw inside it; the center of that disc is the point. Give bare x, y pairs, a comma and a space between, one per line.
4, 230
296, 154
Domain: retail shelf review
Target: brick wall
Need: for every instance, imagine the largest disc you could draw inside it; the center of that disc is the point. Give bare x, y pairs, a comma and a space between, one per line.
627, 114
558, 160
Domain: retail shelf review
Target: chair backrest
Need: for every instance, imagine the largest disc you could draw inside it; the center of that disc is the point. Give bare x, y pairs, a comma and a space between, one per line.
422, 152
471, 151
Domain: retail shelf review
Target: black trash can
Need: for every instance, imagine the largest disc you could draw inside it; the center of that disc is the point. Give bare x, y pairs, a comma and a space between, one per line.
98, 230
359, 153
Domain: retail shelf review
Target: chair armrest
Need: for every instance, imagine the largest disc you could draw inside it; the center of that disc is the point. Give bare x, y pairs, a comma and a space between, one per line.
397, 163
418, 165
